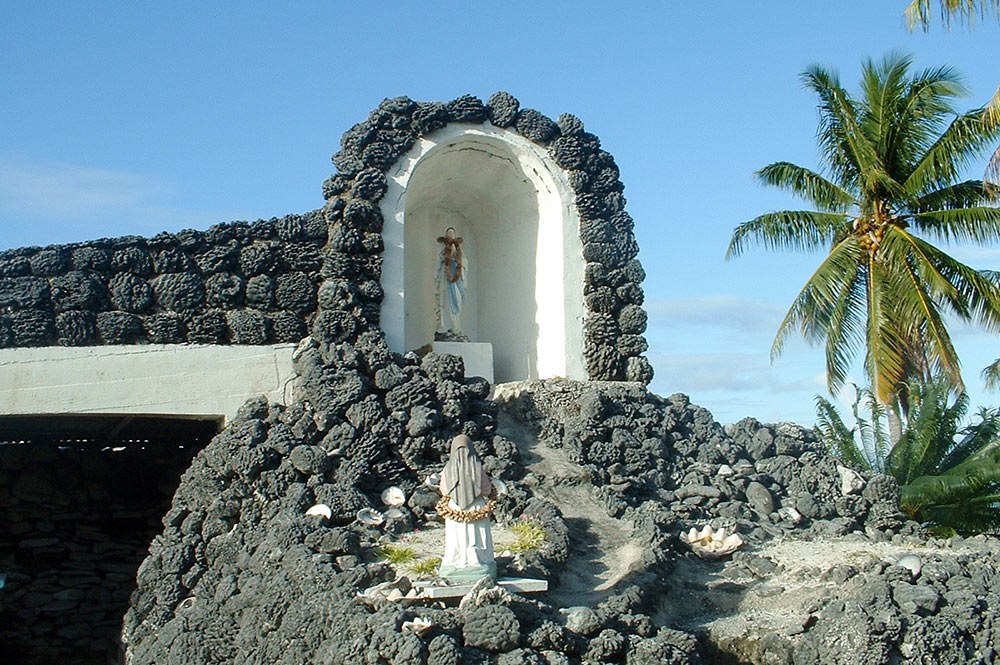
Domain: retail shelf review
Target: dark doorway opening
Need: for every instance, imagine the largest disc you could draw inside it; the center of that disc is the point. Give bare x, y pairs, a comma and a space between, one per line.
81, 497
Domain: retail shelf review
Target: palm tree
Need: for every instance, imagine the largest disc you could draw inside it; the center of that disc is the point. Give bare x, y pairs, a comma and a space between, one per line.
948, 476
894, 157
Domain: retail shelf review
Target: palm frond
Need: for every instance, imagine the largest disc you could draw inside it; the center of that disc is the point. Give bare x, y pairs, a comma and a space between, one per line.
991, 116
918, 12
807, 184
966, 139
836, 436
849, 151
813, 309
991, 374
979, 225
958, 485
966, 194
786, 229
978, 439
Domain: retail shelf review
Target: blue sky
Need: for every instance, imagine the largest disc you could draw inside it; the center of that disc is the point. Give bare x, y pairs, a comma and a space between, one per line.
132, 118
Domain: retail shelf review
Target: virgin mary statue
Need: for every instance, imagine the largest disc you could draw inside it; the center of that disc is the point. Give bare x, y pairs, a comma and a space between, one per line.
466, 506
451, 271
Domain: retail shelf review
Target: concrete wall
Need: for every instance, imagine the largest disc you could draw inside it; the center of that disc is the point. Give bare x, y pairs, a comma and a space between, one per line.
516, 213
153, 379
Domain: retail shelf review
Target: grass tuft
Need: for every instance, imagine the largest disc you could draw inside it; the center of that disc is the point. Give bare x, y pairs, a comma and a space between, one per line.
426, 566
397, 554
530, 535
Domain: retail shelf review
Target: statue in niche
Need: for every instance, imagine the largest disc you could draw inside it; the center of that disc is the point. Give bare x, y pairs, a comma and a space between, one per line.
467, 503
451, 271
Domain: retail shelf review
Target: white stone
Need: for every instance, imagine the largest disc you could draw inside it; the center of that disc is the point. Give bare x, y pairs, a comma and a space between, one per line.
516, 212
512, 584
149, 379
477, 356
851, 481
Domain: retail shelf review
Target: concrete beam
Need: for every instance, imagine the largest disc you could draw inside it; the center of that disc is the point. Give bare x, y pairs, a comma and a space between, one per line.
149, 379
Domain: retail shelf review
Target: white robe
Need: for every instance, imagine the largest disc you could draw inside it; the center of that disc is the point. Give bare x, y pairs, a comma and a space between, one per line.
468, 544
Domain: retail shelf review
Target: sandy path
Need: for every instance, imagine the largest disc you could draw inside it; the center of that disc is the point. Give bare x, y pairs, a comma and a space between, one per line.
601, 548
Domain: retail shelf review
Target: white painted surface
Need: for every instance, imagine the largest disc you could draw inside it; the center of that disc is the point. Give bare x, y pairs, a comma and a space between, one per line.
516, 212
150, 379
477, 356
513, 584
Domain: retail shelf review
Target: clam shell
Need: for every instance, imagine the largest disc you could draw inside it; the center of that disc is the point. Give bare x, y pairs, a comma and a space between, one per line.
393, 514
708, 543
320, 510
393, 496
500, 486
418, 625
370, 516
433, 480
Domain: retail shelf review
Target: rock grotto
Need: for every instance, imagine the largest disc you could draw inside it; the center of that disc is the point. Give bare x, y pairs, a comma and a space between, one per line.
828, 571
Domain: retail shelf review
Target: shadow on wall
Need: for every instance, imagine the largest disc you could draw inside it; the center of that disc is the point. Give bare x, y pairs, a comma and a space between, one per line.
80, 501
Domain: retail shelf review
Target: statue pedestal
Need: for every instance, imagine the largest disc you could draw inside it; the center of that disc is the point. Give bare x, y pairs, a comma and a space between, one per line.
478, 356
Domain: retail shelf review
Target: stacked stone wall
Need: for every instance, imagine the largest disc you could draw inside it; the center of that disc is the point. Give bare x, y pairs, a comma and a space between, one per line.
238, 283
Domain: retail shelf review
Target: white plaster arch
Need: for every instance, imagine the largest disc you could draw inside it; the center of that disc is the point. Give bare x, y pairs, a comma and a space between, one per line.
517, 212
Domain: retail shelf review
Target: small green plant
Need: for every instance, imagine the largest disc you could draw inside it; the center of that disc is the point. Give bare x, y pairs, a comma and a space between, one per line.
426, 566
397, 554
529, 533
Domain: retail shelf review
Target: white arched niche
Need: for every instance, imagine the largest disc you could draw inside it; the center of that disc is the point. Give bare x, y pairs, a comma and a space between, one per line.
515, 211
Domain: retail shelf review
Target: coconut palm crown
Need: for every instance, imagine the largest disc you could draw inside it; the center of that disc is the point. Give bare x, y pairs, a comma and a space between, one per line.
894, 156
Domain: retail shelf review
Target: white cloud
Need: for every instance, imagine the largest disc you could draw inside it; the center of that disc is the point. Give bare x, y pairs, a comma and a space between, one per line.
71, 192
48, 202
728, 372
718, 311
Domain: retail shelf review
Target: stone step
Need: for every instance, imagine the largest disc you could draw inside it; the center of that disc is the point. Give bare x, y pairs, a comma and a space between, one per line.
513, 584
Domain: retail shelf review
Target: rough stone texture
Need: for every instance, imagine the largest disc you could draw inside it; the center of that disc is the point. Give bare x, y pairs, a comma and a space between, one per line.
88, 293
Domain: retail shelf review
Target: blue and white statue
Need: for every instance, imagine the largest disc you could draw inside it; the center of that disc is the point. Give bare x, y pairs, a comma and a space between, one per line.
451, 272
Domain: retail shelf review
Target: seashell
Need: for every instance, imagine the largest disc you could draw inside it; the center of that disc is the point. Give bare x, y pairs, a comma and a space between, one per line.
419, 625
911, 562
725, 470
320, 510
393, 514
393, 496
500, 486
433, 480
370, 516
708, 543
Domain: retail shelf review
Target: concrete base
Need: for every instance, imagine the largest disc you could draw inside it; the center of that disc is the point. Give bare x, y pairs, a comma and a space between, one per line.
478, 356
149, 379
513, 584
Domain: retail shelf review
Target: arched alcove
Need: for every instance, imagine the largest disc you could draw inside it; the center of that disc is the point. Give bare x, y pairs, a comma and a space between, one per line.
516, 213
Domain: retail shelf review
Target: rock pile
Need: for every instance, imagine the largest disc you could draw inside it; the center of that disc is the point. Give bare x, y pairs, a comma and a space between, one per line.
241, 573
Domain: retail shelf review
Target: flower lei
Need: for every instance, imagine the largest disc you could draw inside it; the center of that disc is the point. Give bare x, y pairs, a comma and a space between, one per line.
458, 515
